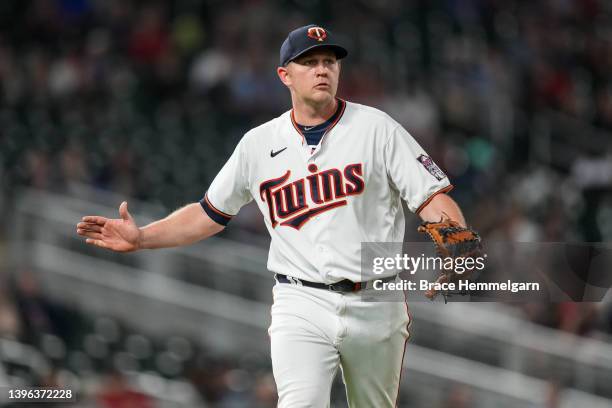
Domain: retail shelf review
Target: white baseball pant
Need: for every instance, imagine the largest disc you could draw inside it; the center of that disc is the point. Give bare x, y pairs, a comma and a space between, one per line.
315, 331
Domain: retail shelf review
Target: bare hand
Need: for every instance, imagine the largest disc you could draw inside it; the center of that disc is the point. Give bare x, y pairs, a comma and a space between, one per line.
121, 235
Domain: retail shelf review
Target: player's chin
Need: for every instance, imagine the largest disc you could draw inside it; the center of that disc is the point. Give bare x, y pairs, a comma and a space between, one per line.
322, 95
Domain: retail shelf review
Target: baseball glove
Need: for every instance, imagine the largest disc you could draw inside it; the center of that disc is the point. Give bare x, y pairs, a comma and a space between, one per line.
452, 241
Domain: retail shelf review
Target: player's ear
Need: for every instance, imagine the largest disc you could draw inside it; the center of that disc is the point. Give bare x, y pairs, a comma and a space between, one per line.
283, 74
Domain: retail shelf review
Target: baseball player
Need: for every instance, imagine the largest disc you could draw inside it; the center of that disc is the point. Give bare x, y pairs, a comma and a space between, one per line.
326, 175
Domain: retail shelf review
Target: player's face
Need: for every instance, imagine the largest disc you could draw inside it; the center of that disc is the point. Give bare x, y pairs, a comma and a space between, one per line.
313, 77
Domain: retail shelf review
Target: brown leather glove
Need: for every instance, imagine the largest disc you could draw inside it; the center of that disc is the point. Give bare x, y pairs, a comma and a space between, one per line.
452, 241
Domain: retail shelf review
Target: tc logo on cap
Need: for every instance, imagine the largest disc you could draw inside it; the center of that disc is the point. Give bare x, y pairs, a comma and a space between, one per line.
317, 33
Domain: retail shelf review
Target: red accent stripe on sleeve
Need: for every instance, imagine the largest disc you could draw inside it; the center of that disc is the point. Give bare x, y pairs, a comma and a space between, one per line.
215, 214
442, 190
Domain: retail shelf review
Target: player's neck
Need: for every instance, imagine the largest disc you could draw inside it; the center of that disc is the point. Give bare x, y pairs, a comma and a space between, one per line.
310, 115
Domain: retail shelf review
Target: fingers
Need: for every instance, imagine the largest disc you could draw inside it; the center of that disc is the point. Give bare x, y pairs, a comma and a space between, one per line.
93, 219
89, 234
123, 211
85, 226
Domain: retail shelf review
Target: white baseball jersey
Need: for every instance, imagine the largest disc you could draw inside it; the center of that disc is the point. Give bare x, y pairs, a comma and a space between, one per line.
319, 206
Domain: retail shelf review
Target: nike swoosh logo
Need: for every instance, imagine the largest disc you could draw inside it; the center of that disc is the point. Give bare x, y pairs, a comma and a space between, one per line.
273, 153
308, 128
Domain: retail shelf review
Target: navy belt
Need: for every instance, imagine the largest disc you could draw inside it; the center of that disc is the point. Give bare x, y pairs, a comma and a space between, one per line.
343, 286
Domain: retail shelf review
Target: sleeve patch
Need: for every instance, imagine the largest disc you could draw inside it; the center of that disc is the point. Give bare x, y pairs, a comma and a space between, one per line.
431, 167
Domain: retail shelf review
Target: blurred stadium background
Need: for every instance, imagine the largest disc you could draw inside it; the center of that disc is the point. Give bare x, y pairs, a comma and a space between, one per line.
106, 100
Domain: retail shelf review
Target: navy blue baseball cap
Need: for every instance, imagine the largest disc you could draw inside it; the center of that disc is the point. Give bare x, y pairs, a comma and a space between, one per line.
306, 38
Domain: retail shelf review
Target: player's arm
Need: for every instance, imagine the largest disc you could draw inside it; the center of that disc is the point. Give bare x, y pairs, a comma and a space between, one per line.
442, 206
184, 226
194, 222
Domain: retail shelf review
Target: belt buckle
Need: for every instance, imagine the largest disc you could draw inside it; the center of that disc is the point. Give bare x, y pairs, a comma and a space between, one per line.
343, 287
334, 289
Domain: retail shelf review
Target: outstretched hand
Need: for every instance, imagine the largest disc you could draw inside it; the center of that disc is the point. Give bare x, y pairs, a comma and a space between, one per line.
122, 235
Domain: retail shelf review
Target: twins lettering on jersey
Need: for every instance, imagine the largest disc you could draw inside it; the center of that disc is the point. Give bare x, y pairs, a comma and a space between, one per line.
293, 203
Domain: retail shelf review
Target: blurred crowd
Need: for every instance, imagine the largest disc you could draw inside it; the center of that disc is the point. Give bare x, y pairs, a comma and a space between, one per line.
513, 98
149, 98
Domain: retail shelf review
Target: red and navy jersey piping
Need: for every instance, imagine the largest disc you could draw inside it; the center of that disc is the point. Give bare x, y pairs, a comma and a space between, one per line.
442, 190
341, 109
214, 213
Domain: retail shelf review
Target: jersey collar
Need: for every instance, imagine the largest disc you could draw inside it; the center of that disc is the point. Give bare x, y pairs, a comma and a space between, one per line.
341, 108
